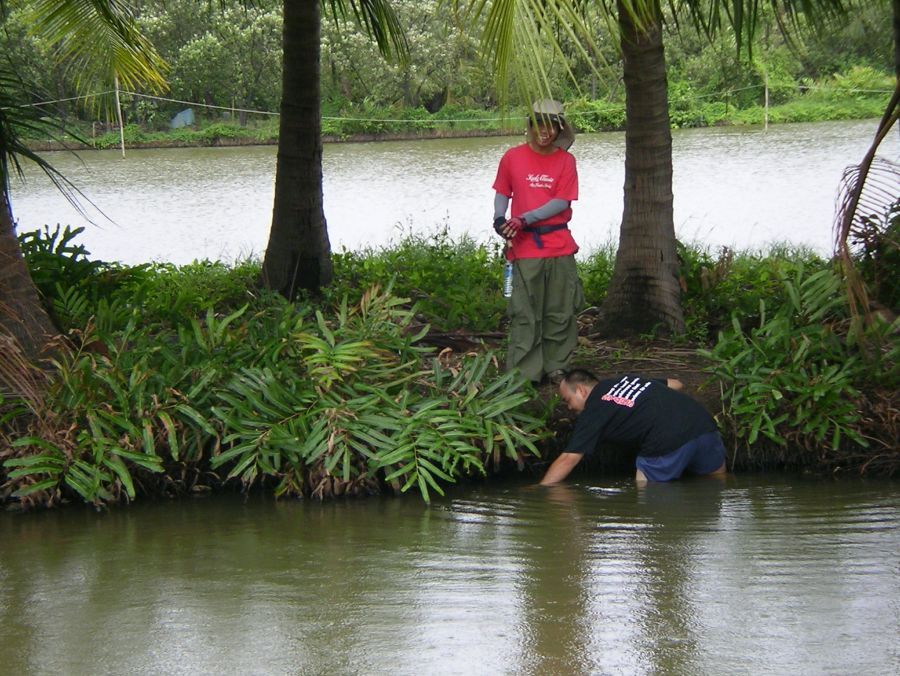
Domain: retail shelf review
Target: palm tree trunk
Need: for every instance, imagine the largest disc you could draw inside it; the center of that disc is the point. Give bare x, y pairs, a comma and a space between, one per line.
21, 314
643, 294
298, 255
896, 14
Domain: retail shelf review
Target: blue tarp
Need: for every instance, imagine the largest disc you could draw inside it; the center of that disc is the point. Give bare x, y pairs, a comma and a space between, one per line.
184, 119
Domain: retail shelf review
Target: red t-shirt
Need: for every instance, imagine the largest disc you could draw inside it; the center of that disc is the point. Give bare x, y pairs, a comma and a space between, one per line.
531, 180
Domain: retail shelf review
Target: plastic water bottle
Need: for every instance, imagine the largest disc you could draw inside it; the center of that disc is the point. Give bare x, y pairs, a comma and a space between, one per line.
507, 280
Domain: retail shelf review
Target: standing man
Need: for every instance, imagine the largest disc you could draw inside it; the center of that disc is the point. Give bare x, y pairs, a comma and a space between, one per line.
541, 179
671, 432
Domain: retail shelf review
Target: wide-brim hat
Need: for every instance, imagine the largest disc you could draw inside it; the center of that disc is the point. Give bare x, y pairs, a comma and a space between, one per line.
553, 110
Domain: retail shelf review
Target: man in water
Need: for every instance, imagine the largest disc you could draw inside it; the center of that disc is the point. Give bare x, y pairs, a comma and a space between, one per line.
541, 179
671, 432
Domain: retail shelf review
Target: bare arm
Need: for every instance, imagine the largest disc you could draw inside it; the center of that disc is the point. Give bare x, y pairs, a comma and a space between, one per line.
560, 468
674, 383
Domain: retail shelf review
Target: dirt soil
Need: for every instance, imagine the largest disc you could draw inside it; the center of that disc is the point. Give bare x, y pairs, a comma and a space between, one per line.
656, 359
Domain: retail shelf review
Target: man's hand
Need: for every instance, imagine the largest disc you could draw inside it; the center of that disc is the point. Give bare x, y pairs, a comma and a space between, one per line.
559, 469
508, 229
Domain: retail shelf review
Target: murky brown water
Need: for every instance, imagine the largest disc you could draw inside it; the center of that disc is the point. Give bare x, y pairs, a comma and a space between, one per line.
754, 575
736, 186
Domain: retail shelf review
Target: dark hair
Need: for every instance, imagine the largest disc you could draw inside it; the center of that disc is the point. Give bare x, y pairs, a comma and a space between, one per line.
575, 377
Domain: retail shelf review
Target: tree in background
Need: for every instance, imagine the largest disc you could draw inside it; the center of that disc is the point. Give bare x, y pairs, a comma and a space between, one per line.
221, 55
443, 65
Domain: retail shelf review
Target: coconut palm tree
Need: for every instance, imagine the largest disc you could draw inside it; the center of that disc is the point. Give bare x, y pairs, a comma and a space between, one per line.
298, 254
22, 316
99, 40
643, 294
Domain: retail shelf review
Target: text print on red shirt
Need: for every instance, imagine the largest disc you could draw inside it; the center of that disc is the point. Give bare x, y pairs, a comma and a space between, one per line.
540, 181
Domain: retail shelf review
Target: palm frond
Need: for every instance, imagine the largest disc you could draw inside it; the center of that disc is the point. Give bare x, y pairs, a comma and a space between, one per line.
18, 119
379, 20
99, 40
868, 195
518, 35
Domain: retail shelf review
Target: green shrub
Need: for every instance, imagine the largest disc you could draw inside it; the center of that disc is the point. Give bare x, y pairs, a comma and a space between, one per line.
68, 281
71, 283
861, 82
593, 116
732, 284
595, 272
793, 379
220, 130
281, 396
166, 292
455, 283
811, 110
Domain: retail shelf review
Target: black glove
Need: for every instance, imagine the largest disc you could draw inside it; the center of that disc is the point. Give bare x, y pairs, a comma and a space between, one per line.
499, 224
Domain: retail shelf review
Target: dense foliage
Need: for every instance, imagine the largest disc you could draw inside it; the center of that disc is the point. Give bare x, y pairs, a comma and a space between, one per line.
159, 392
228, 57
185, 379
454, 282
801, 380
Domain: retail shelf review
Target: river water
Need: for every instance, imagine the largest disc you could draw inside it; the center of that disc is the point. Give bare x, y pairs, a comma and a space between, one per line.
734, 186
753, 575
750, 575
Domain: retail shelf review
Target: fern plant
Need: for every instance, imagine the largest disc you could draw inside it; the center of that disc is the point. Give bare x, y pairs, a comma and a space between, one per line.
793, 379
309, 402
353, 413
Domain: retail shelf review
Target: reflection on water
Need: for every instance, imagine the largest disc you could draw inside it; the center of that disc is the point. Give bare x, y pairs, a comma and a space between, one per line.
749, 575
738, 186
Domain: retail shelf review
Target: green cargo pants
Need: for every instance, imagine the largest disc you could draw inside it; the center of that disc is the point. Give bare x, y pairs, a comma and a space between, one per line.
543, 331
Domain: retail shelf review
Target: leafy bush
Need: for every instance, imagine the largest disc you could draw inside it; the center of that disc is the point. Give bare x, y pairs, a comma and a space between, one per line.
54, 258
596, 271
456, 117
592, 116
454, 282
812, 110
72, 284
369, 408
168, 292
67, 279
220, 130
281, 396
859, 81
733, 284
793, 379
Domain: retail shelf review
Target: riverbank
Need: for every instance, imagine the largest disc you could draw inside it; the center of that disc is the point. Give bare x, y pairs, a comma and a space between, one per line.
825, 104
178, 380
233, 139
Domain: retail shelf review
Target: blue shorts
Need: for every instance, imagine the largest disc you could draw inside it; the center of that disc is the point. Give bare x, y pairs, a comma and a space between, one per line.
702, 455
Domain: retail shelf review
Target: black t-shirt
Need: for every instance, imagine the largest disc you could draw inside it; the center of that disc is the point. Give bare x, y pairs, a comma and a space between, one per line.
640, 413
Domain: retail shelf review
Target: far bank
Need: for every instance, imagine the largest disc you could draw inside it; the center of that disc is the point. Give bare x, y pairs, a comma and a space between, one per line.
417, 124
